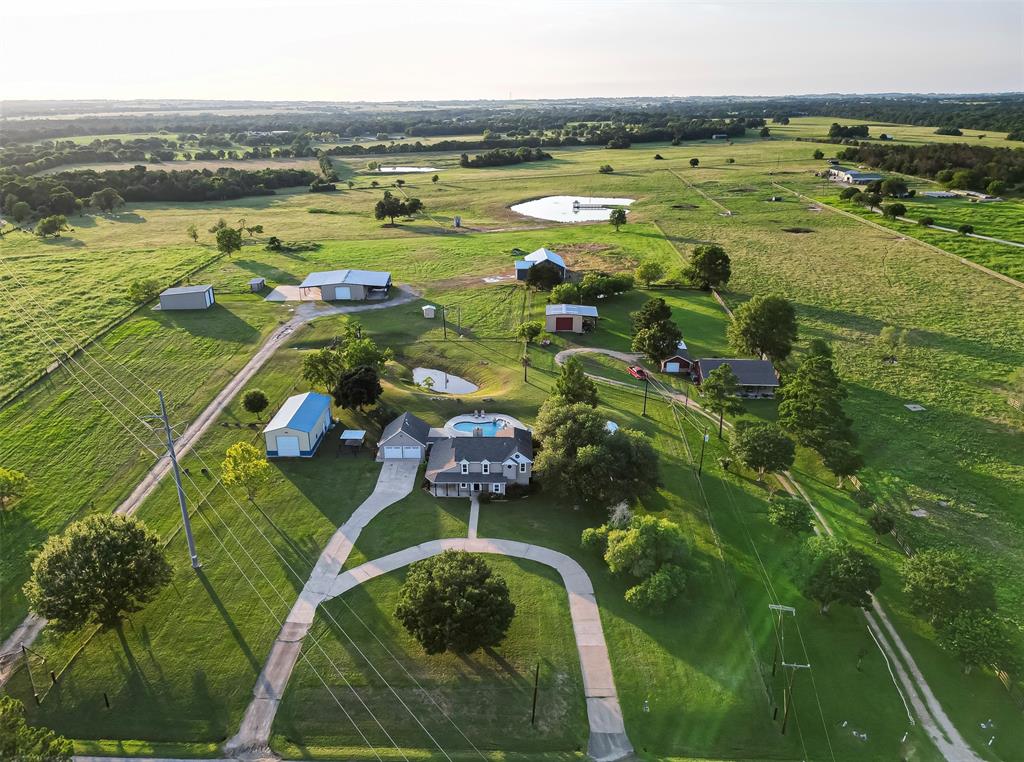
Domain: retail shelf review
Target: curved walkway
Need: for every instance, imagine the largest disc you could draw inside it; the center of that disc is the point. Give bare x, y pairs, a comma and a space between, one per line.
30, 627
396, 480
608, 740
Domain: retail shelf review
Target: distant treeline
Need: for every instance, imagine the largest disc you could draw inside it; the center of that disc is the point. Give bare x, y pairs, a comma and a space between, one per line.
958, 165
65, 192
502, 156
982, 112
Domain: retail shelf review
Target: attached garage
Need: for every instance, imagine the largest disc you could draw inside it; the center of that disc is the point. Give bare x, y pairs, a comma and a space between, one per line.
298, 428
405, 438
570, 318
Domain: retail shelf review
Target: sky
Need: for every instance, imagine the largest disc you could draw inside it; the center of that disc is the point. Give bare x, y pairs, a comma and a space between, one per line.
337, 50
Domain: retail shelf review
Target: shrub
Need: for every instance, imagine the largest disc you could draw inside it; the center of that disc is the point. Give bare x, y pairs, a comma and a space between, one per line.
790, 513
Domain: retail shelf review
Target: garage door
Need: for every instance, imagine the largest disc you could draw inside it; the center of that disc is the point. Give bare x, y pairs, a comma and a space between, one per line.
671, 367
563, 323
392, 452
288, 446
342, 292
411, 452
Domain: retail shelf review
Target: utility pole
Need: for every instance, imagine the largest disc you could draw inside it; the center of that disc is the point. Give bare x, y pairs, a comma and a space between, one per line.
444, 321
526, 364
28, 667
787, 697
177, 482
536, 681
703, 442
647, 383
780, 645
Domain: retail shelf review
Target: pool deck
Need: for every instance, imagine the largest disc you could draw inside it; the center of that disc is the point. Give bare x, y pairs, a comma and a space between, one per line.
450, 429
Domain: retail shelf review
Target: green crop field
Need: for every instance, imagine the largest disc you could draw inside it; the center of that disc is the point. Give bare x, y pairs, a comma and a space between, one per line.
187, 663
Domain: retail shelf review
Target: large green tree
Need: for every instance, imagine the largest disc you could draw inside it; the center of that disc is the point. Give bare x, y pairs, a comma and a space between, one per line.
358, 388
764, 326
454, 602
718, 391
323, 367
832, 571
653, 311
229, 240
21, 742
979, 638
762, 446
106, 200
573, 385
941, 583
790, 513
811, 407
617, 218
709, 266
96, 571
657, 341
649, 272
255, 401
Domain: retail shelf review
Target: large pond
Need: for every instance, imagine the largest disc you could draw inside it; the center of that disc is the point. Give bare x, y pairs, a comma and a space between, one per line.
571, 208
401, 170
445, 383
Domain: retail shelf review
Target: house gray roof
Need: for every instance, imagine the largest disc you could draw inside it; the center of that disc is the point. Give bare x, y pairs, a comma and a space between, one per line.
749, 372
415, 427
186, 290
372, 278
446, 454
571, 309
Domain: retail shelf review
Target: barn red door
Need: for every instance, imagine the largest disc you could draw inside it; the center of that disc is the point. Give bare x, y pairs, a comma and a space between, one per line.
563, 323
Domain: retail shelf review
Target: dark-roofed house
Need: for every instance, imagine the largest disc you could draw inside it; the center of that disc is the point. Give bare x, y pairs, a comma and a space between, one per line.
460, 466
576, 318
333, 285
542, 258
757, 378
187, 298
405, 438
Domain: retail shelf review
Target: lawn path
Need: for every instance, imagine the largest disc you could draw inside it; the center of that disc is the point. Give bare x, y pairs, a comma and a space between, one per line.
30, 627
928, 710
608, 740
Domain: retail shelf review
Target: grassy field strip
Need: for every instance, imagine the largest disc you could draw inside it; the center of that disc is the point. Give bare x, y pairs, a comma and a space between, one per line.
693, 187
961, 260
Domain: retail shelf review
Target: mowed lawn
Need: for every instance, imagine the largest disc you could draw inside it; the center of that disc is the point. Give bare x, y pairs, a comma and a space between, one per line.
959, 460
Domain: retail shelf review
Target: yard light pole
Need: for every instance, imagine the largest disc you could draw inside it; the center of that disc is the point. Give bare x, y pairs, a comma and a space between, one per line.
526, 364
177, 482
703, 442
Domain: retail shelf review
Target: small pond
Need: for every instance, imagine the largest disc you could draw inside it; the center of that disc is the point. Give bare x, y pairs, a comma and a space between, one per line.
571, 208
445, 383
400, 170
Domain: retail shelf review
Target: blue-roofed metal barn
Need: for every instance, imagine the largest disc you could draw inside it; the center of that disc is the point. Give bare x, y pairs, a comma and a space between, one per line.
298, 428
335, 285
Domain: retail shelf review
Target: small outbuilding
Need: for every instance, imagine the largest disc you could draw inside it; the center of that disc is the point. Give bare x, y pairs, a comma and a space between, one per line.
852, 176
757, 378
187, 298
257, 284
298, 428
353, 440
335, 285
405, 438
543, 258
572, 318
429, 310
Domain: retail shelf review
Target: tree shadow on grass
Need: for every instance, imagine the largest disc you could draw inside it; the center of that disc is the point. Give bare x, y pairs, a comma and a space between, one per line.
239, 638
67, 243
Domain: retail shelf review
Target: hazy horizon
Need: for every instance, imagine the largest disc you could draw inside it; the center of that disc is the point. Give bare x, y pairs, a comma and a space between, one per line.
315, 50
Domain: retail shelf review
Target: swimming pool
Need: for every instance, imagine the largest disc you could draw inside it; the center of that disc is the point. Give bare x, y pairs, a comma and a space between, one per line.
489, 428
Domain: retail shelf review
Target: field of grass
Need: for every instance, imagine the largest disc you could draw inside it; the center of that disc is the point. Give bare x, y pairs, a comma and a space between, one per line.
184, 165
187, 663
817, 127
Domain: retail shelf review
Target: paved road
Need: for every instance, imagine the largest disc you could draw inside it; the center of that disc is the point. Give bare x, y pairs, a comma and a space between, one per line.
32, 625
608, 739
395, 481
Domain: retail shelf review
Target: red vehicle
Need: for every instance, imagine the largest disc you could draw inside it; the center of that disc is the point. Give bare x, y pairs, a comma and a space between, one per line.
637, 372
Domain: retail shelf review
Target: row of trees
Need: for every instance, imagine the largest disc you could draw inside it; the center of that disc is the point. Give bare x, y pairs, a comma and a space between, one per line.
390, 206
66, 192
592, 286
502, 156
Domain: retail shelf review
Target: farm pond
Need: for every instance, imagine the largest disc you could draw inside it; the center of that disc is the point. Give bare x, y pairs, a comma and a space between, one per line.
571, 208
443, 382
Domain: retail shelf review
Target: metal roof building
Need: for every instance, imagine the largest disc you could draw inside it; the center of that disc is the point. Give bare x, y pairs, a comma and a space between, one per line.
331, 285
297, 429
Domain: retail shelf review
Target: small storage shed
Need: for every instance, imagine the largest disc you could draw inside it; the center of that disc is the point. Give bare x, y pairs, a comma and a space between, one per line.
405, 438
298, 428
429, 310
257, 284
187, 298
573, 318
334, 285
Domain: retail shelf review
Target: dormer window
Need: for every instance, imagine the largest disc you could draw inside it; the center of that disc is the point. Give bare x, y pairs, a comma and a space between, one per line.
465, 467
485, 467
